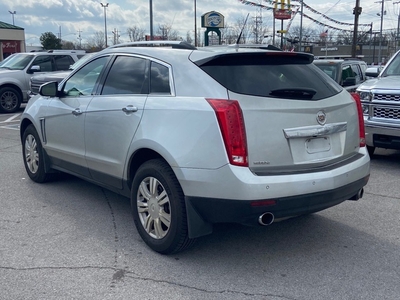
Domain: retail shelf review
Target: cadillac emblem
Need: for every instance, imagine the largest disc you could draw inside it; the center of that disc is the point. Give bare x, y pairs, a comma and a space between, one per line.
321, 117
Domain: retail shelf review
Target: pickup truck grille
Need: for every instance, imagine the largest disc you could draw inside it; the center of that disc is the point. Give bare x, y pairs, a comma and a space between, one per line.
387, 112
387, 97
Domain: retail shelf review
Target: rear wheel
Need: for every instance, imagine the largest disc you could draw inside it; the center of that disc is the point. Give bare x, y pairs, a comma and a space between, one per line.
158, 208
10, 100
33, 155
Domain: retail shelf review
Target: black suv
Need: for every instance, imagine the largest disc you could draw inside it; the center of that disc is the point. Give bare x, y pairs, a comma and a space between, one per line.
349, 73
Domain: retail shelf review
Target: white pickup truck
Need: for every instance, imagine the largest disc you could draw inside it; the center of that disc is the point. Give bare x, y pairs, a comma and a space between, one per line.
380, 98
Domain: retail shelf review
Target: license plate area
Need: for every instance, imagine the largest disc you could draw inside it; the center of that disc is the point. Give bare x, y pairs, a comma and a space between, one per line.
318, 144
317, 149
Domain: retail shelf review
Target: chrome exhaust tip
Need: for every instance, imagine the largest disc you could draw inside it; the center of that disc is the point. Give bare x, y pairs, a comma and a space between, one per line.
266, 219
358, 196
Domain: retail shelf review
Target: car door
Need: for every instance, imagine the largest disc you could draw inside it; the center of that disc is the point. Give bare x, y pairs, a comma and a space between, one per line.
113, 116
64, 124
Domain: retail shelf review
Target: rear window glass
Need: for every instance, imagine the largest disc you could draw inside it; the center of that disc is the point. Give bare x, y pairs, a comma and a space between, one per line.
280, 76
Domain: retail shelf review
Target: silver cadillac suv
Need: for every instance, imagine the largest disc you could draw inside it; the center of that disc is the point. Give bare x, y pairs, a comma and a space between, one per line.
201, 136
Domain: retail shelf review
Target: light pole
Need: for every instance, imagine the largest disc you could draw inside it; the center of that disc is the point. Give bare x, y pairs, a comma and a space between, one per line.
105, 21
195, 24
13, 13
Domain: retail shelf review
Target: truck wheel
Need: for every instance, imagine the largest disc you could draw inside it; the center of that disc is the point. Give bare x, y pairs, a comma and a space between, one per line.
158, 208
10, 100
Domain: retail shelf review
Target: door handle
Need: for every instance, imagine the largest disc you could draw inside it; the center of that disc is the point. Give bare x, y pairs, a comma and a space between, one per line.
76, 112
130, 109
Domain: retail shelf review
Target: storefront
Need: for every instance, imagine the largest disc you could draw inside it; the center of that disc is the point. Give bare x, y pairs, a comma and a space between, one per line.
12, 40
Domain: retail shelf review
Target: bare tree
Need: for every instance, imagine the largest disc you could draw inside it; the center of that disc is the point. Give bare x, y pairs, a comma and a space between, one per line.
135, 33
241, 26
96, 42
167, 33
228, 34
189, 38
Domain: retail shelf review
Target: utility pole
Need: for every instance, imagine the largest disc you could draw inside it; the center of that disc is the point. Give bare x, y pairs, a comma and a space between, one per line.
380, 34
356, 12
396, 40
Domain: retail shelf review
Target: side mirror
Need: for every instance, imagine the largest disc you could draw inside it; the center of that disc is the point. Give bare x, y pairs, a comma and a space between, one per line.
34, 69
49, 89
373, 72
349, 81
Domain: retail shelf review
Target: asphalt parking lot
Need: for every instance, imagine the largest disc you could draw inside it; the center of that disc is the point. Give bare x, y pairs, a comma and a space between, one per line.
69, 239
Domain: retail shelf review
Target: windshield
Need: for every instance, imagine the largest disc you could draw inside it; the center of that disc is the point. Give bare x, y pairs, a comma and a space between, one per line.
393, 69
17, 62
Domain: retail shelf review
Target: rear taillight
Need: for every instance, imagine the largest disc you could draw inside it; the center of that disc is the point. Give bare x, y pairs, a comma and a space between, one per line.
357, 99
231, 123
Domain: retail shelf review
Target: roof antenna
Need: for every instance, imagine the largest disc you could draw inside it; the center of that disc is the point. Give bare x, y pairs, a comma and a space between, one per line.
241, 32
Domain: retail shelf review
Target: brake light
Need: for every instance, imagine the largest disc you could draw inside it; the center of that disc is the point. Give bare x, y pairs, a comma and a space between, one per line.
231, 124
357, 99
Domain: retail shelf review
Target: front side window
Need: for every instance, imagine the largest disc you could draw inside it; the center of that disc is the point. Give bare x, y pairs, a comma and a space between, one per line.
347, 72
128, 75
84, 80
44, 62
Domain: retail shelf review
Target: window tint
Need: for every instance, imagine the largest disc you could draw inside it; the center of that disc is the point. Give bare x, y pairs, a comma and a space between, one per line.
63, 62
128, 75
159, 79
273, 75
356, 72
44, 62
83, 81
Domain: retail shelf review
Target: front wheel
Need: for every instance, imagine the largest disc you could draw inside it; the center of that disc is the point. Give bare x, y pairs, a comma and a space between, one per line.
158, 208
10, 100
32, 152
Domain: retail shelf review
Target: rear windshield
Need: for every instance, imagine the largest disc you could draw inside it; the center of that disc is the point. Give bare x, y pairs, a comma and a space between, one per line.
280, 75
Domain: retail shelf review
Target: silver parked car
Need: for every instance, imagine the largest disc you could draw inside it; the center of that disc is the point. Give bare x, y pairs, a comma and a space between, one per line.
200, 136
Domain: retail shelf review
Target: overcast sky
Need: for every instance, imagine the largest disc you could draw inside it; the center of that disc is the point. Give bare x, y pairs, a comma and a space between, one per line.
72, 17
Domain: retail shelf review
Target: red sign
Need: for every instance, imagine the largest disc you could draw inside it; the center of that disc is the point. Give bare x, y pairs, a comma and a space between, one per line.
282, 14
10, 46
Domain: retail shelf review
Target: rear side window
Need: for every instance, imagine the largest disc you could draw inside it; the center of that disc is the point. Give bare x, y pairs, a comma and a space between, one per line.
279, 75
63, 62
159, 79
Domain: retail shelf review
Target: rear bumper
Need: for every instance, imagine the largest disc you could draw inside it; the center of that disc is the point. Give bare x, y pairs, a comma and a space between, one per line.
233, 194
203, 212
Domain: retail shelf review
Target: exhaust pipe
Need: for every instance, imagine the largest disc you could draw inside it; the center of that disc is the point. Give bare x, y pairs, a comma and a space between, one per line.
266, 219
357, 196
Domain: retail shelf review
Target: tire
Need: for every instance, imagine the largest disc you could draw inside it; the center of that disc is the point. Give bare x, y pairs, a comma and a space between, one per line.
33, 155
161, 223
371, 150
10, 100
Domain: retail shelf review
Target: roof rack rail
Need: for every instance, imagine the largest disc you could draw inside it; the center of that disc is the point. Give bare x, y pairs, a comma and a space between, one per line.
64, 50
171, 44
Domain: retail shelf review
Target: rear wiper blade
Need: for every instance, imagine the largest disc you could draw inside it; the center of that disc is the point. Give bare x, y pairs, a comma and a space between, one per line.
294, 93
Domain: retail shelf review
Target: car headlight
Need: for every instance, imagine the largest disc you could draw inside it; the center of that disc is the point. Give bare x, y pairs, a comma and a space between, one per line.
365, 96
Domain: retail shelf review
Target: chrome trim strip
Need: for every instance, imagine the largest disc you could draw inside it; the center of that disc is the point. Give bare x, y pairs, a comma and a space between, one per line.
314, 131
